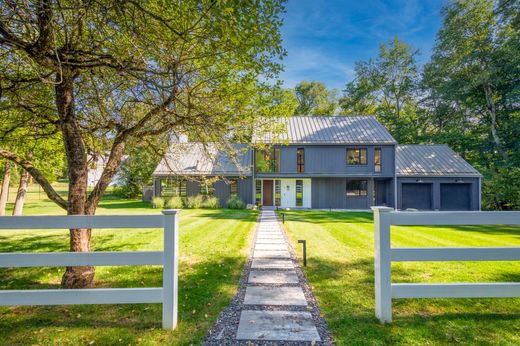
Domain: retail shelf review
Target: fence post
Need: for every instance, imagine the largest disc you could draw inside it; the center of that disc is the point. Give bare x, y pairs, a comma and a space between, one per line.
382, 264
170, 269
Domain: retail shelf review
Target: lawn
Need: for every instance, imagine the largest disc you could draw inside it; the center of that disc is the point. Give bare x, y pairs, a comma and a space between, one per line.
340, 270
214, 245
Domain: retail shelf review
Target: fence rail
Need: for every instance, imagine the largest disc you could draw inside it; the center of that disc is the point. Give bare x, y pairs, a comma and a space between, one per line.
168, 258
384, 255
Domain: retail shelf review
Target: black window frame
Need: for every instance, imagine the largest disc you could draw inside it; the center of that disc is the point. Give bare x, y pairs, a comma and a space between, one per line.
277, 192
258, 191
271, 157
378, 166
300, 160
206, 189
358, 156
357, 188
233, 187
299, 200
179, 187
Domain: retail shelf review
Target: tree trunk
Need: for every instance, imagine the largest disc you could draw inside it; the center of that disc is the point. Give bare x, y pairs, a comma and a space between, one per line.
20, 195
74, 277
492, 112
4, 194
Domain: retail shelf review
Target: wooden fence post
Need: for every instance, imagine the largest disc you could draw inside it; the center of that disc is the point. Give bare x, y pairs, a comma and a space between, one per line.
170, 269
382, 264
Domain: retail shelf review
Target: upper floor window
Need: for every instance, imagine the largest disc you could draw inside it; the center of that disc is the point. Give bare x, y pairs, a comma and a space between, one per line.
173, 188
357, 188
377, 160
356, 156
233, 188
300, 160
267, 161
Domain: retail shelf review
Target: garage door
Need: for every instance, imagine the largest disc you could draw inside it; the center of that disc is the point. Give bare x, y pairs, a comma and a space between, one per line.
455, 196
417, 196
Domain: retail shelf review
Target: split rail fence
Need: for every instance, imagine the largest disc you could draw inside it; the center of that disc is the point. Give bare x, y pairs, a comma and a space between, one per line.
168, 259
384, 255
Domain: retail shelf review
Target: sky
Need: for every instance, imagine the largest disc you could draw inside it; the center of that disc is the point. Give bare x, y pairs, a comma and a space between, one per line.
324, 38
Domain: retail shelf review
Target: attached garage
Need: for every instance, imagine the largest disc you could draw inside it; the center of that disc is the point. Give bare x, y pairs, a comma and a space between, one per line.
416, 196
456, 196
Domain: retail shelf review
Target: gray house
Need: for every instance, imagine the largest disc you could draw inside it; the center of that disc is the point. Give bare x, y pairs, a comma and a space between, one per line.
339, 162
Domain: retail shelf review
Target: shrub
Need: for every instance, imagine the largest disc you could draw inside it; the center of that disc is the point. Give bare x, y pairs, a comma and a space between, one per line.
174, 203
211, 202
236, 203
193, 202
158, 202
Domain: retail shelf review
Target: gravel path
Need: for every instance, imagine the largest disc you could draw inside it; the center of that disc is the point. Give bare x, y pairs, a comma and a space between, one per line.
274, 304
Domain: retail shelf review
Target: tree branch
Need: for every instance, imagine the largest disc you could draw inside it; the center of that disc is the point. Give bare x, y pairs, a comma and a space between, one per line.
37, 175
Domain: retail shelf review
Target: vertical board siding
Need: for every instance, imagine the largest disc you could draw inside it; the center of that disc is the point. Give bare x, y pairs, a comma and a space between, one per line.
328, 193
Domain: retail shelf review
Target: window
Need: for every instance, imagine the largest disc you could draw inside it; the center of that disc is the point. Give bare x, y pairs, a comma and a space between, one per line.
206, 189
173, 188
233, 188
300, 160
258, 192
377, 160
357, 188
277, 193
356, 156
267, 161
299, 193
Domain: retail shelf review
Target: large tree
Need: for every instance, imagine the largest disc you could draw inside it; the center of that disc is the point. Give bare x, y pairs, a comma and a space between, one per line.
314, 98
386, 87
103, 74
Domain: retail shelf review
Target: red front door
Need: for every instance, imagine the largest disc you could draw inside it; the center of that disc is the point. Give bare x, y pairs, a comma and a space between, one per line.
267, 193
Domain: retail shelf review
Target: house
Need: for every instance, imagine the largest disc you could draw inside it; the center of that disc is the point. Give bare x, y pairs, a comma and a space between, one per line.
337, 162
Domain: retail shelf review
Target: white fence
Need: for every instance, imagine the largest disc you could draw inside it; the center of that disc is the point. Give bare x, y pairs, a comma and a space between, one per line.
384, 255
167, 294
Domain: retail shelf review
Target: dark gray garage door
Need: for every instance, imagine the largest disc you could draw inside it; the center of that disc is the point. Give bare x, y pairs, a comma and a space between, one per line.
417, 196
455, 196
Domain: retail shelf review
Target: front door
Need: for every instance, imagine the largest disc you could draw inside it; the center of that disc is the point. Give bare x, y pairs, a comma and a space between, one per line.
268, 193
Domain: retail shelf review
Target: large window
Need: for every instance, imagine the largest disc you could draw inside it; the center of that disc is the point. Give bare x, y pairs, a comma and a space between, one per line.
267, 161
173, 188
356, 156
357, 188
300, 160
277, 193
258, 192
233, 188
377, 160
206, 189
299, 193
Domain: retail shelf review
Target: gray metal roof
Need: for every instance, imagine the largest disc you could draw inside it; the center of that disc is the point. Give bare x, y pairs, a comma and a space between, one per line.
324, 130
196, 159
431, 160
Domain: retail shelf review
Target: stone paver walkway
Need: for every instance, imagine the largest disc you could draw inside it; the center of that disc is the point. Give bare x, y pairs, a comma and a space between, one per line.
273, 282
274, 305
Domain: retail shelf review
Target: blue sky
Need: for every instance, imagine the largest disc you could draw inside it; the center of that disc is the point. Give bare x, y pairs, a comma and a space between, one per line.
324, 38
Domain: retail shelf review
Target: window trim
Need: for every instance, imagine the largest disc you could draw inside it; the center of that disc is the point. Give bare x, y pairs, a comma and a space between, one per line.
300, 160
358, 192
296, 193
233, 184
360, 149
178, 185
380, 165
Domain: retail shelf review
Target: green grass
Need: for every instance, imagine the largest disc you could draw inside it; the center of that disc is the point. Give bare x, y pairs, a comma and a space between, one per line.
214, 245
340, 270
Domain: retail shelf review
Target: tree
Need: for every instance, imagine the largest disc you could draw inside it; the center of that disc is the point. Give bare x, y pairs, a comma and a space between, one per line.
386, 87
314, 99
4, 194
136, 170
103, 74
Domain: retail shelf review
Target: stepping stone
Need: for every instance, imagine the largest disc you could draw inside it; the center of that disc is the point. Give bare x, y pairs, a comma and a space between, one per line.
264, 263
277, 325
271, 254
270, 241
260, 295
281, 246
273, 277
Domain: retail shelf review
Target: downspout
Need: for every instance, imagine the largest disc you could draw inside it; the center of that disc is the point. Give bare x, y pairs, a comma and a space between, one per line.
480, 193
395, 191
253, 182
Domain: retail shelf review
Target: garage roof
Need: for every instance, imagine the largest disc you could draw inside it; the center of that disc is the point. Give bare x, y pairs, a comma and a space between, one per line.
194, 158
324, 130
431, 160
